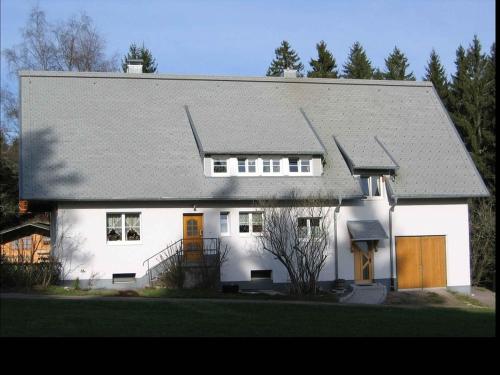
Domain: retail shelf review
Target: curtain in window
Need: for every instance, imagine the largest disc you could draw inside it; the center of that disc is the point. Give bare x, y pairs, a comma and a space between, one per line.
114, 227
244, 223
257, 222
132, 227
302, 227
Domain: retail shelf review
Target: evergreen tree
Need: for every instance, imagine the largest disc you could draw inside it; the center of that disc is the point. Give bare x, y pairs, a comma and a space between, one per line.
148, 61
357, 65
470, 105
396, 65
286, 58
325, 66
378, 74
436, 74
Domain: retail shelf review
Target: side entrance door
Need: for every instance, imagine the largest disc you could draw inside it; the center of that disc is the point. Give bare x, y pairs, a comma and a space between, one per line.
363, 262
421, 262
193, 237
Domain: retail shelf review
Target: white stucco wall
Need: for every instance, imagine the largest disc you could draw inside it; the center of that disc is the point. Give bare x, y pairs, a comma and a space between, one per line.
450, 220
161, 225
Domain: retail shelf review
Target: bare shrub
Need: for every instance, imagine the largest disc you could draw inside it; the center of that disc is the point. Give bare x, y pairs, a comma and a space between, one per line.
296, 232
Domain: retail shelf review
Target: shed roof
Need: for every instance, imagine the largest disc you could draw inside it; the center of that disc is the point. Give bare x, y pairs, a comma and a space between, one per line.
366, 230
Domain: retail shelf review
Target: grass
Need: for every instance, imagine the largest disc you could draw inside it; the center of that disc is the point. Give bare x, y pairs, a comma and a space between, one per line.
423, 298
173, 293
41, 317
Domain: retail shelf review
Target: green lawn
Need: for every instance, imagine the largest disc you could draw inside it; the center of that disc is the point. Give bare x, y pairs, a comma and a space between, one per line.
184, 318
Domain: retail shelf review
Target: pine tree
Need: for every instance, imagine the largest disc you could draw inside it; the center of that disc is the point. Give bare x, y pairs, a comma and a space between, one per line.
378, 74
357, 65
286, 58
436, 74
396, 65
148, 61
469, 104
325, 66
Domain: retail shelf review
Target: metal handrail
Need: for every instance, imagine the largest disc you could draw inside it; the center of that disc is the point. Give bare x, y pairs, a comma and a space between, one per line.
205, 250
161, 251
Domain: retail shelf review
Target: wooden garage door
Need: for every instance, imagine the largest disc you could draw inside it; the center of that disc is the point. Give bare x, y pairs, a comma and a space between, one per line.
421, 262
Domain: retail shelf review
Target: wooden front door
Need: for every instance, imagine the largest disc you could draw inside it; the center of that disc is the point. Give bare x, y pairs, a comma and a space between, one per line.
193, 237
421, 262
363, 264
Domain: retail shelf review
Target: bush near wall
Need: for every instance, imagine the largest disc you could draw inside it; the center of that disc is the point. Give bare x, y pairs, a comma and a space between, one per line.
27, 275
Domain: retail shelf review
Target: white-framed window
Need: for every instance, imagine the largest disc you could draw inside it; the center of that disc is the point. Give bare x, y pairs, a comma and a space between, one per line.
247, 165
251, 222
305, 166
371, 186
271, 165
299, 166
220, 165
123, 227
293, 165
308, 226
224, 224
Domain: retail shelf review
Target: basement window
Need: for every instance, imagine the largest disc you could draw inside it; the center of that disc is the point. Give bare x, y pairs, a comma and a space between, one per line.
260, 274
123, 278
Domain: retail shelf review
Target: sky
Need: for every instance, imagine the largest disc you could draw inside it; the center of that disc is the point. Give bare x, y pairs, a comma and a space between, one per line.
239, 37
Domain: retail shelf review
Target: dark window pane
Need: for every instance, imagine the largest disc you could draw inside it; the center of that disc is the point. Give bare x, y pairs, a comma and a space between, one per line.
294, 165
220, 166
365, 186
241, 166
260, 274
375, 186
257, 222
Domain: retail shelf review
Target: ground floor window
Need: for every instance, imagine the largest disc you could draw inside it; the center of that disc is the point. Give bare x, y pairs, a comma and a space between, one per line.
308, 226
123, 227
251, 222
224, 223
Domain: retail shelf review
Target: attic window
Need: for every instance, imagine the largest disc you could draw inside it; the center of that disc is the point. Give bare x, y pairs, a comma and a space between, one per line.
220, 166
371, 186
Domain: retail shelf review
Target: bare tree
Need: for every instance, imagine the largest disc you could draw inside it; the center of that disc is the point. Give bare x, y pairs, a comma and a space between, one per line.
80, 47
38, 50
74, 45
297, 234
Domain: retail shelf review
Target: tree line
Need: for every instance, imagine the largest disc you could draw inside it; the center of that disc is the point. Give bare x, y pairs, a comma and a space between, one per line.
469, 96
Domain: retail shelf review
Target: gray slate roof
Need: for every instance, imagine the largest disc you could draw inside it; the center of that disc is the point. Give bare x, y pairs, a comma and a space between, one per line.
366, 230
365, 153
102, 136
250, 128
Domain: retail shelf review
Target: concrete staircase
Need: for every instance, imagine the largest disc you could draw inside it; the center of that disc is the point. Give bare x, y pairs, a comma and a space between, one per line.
370, 294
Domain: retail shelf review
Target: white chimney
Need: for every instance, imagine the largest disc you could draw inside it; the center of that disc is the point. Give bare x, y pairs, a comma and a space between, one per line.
290, 73
134, 66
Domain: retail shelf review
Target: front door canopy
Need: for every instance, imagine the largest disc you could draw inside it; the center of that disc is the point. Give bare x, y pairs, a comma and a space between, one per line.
366, 230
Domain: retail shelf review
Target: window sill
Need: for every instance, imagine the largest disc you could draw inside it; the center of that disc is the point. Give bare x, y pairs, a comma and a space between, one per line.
123, 243
372, 198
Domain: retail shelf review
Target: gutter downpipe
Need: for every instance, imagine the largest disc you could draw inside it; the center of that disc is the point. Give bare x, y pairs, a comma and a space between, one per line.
391, 246
335, 215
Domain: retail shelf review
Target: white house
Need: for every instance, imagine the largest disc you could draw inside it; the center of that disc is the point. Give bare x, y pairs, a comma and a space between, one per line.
129, 163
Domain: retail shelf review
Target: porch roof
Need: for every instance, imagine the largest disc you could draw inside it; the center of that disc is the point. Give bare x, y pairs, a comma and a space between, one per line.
365, 230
